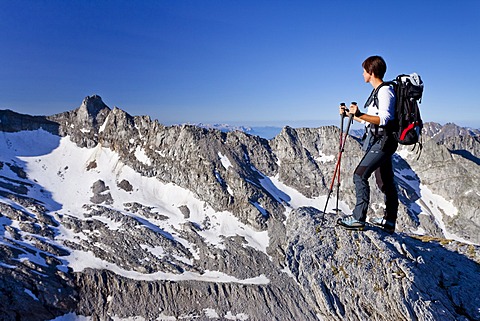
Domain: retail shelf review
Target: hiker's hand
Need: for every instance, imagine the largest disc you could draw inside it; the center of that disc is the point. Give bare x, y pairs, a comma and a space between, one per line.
343, 110
353, 109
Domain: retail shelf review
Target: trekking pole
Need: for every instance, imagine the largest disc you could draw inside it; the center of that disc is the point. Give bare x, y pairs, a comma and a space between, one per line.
337, 165
342, 116
339, 159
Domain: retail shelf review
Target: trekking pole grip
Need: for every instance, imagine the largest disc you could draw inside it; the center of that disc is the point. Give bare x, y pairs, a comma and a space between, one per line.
344, 114
351, 115
350, 121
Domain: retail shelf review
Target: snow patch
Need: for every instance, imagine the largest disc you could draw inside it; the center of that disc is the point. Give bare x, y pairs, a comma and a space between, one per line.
80, 260
211, 313
104, 125
48, 153
142, 156
239, 316
260, 208
404, 153
225, 161
297, 199
322, 158
72, 317
437, 206
268, 184
27, 291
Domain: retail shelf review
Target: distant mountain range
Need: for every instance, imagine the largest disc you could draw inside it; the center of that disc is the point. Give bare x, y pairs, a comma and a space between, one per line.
109, 216
431, 129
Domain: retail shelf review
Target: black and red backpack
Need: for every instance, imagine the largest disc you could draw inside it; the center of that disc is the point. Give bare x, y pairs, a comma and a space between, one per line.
408, 124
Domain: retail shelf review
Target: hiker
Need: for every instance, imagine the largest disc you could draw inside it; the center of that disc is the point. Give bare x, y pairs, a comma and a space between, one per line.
379, 146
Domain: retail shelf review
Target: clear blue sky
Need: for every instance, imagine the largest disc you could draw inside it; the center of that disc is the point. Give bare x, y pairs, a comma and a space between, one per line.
273, 62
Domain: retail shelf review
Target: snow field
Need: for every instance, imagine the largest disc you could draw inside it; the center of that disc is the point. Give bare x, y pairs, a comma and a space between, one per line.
61, 168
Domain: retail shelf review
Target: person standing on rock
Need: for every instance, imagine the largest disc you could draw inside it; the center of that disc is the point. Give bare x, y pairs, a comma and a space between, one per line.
379, 146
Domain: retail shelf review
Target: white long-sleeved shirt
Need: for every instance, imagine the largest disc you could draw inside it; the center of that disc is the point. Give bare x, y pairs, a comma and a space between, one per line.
386, 105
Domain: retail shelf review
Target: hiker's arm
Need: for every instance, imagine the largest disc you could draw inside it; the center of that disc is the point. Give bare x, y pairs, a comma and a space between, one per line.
375, 120
386, 105
361, 117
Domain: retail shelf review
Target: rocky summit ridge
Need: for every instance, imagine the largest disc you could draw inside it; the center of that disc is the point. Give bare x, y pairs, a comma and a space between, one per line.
113, 216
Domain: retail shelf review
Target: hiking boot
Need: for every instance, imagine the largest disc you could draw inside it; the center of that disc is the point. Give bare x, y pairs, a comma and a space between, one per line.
388, 226
351, 223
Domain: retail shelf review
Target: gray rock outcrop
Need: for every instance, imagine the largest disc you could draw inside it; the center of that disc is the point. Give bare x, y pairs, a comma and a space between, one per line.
371, 275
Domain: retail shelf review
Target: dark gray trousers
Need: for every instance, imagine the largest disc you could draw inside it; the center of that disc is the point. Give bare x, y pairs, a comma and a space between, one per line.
378, 160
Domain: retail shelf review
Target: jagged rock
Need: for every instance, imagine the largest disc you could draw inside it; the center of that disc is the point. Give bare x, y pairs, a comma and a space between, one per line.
185, 211
99, 195
11, 121
439, 132
298, 151
83, 123
92, 165
457, 180
105, 294
32, 289
125, 185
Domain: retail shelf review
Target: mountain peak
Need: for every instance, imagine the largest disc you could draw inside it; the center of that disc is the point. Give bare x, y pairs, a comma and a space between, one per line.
93, 105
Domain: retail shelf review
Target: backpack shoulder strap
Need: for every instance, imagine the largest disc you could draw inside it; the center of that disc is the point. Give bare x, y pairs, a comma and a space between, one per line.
374, 95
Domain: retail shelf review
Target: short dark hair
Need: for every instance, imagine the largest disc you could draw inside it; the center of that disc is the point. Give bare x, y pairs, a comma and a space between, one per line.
375, 65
